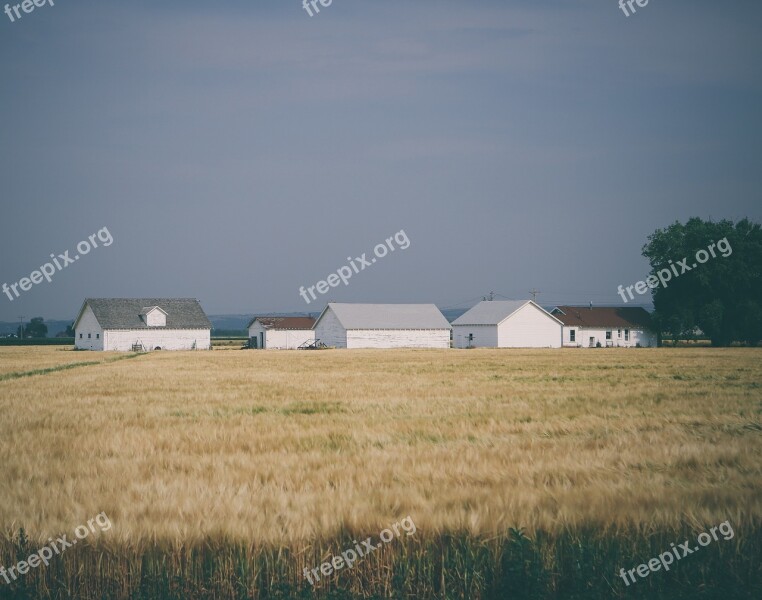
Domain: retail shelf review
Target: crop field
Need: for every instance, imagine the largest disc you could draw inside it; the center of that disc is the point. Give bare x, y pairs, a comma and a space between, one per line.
527, 474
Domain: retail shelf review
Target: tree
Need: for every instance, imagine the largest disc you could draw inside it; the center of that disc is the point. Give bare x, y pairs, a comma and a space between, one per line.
722, 296
34, 329
69, 333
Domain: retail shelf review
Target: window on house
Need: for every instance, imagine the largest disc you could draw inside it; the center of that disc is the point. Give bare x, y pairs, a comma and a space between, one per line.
608, 335
80, 336
572, 335
619, 333
626, 335
89, 335
97, 336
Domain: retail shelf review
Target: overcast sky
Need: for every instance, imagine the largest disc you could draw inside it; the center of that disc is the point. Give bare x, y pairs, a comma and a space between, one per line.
237, 150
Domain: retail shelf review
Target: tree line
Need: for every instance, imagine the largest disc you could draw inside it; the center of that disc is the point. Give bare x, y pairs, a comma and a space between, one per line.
718, 294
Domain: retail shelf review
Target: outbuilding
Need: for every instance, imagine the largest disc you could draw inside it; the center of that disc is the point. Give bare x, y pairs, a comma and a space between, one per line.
124, 324
382, 326
507, 324
606, 326
281, 333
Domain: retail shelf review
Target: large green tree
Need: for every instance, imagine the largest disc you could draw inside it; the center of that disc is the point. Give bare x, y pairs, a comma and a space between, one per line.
722, 296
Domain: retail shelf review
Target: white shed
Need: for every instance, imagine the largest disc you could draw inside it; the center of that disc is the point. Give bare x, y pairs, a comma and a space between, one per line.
124, 324
606, 326
507, 324
382, 326
281, 333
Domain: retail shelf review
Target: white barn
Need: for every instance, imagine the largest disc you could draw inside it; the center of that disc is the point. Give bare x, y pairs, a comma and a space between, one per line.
124, 324
609, 326
382, 326
281, 333
507, 324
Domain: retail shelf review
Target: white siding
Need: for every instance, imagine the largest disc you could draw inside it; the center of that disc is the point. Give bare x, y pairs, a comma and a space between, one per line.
156, 318
88, 326
398, 338
529, 327
330, 331
281, 339
646, 339
288, 339
485, 336
166, 339
254, 332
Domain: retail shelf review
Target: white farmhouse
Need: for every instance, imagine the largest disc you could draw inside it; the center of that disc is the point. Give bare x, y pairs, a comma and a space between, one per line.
282, 333
382, 326
609, 326
124, 324
507, 324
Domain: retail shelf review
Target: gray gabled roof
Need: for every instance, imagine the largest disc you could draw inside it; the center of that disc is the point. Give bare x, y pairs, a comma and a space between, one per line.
124, 313
387, 316
494, 312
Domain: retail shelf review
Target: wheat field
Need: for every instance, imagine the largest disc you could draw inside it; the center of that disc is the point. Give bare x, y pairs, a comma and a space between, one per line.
300, 450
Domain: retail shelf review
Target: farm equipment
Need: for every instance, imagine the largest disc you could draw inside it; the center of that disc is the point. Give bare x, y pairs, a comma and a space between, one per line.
316, 345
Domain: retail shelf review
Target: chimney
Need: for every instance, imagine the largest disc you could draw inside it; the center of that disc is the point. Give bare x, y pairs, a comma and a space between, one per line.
591, 305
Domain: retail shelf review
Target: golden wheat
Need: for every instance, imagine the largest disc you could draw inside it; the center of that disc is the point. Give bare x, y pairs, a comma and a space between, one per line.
16, 359
287, 447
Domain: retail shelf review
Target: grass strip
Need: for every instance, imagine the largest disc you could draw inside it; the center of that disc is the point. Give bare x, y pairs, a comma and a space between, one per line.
20, 374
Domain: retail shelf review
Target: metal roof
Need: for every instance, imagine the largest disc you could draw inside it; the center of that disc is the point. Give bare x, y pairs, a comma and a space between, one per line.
124, 313
494, 312
388, 316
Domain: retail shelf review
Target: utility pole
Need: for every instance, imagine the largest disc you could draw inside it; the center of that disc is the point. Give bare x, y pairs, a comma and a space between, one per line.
21, 329
534, 293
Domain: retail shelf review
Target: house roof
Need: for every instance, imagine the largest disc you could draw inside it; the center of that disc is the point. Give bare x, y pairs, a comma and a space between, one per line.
124, 313
284, 322
387, 316
494, 312
631, 317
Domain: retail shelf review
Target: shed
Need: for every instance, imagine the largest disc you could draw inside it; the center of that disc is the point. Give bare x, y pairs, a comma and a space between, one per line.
507, 324
282, 333
382, 326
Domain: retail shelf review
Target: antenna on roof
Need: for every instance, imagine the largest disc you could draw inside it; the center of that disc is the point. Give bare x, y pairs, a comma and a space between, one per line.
534, 293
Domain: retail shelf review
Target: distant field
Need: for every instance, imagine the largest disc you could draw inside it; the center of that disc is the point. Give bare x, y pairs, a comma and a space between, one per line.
264, 462
51, 341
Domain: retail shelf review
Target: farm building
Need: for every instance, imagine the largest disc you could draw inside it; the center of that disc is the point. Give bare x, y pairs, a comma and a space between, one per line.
609, 326
125, 324
382, 326
507, 324
281, 333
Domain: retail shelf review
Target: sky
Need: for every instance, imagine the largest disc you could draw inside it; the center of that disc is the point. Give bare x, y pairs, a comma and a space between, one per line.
235, 151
